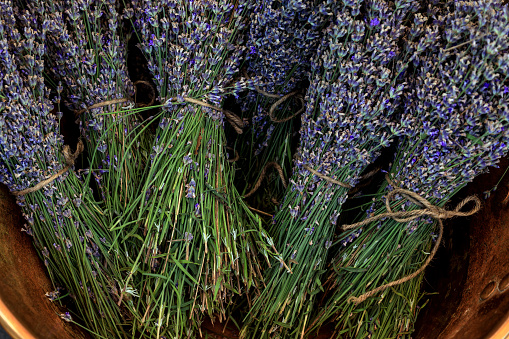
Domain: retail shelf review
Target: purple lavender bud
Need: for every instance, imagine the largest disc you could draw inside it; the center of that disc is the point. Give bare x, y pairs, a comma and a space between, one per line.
188, 237
66, 316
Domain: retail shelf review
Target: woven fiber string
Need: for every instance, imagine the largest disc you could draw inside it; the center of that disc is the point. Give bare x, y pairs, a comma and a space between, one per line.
262, 176
70, 158
100, 104
261, 91
237, 156
236, 122
121, 100
340, 183
363, 181
324, 177
427, 209
280, 100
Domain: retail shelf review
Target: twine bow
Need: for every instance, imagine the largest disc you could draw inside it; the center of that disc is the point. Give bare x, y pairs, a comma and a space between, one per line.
70, 158
427, 209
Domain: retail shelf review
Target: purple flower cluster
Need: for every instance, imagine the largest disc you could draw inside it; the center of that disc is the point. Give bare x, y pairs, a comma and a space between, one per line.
283, 39
193, 48
91, 65
456, 115
356, 86
87, 56
28, 129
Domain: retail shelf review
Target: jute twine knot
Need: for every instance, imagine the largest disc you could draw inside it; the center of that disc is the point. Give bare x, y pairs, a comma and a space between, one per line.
326, 178
280, 100
262, 176
236, 122
70, 158
427, 209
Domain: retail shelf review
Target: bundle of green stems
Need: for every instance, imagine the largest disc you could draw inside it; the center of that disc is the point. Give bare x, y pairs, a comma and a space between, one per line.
197, 243
69, 226
94, 84
153, 236
269, 142
453, 127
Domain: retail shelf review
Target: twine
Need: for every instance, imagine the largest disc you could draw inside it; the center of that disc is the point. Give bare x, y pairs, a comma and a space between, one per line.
465, 43
261, 212
428, 209
100, 104
267, 94
366, 182
324, 177
280, 100
340, 183
121, 100
262, 176
237, 156
234, 120
70, 158
152, 90
261, 91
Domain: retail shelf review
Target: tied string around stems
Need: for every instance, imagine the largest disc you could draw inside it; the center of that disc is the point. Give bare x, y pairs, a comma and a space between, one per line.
234, 120
427, 209
77, 113
326, 178
262, 176
70, 158
280, 100
354, 189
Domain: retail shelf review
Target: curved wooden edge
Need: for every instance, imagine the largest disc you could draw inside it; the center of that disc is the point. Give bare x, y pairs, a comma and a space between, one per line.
11, 324
502, 332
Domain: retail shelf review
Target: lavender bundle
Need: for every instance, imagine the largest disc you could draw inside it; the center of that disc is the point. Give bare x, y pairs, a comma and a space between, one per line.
355, 88
454, 126
199, 243
87, 53
61, 214
282, 40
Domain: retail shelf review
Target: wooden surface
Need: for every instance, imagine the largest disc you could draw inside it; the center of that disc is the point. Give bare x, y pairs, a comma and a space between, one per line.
475, 253
474, 256
25, 311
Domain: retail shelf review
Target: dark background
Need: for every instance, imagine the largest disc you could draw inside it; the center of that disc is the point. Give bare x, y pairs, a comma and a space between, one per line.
3, 334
